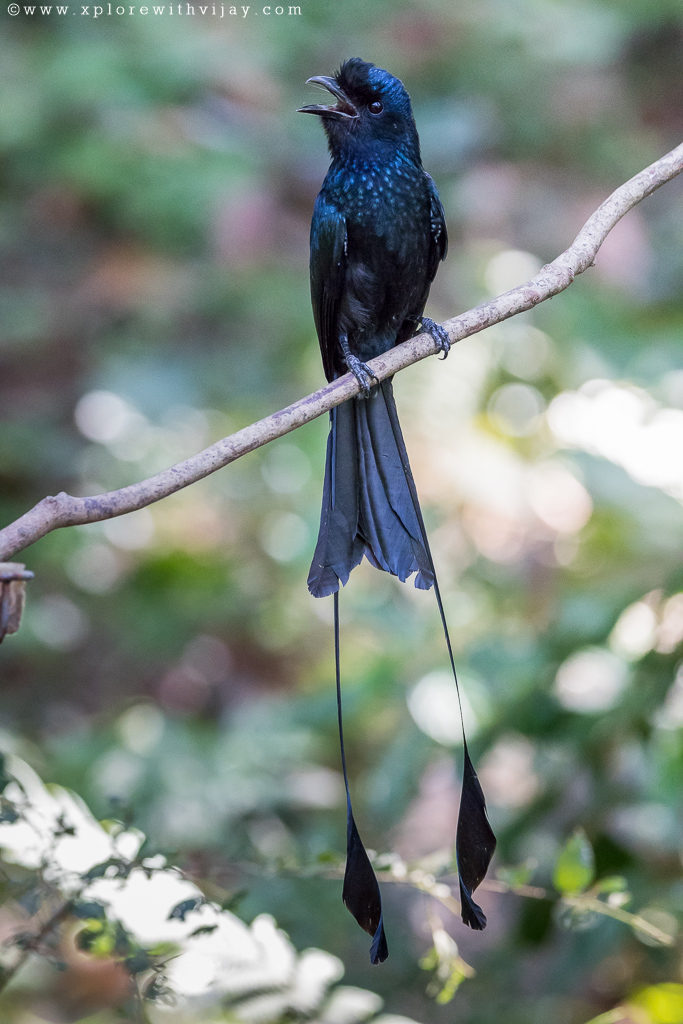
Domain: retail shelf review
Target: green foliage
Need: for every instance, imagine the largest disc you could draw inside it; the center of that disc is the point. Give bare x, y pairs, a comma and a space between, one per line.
575, 866
663, 1003
658, 1004
256, 963
449, 969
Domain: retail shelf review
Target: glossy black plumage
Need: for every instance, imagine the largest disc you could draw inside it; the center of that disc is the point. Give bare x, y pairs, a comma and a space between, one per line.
377, 236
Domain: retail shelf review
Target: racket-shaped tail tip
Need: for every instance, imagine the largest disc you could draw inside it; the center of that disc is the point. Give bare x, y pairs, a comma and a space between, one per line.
474, 845
361, 893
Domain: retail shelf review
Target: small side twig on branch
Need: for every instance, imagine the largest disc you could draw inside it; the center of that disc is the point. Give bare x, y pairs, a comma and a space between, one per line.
63, 509
32, 943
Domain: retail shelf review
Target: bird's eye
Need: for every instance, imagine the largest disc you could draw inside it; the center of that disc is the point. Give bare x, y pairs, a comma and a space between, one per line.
375, 107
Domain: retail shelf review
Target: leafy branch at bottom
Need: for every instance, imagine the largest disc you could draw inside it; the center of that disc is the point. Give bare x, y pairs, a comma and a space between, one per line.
65, 912
579, 898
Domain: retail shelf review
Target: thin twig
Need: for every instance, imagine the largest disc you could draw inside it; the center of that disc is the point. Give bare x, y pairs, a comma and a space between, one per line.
591, 903
31, 944
63, 509
441, 890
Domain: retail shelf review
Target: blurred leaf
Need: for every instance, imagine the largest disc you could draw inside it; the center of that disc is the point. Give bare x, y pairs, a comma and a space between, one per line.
138, 962
112, 867
575, 865
518, 874
96, 938
181, 910
8, 812
611, 884
663, 1003
88, 910
203, 929
5, 777
448, 968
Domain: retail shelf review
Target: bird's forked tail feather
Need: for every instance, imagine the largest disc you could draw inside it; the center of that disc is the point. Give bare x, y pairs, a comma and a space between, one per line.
367, 506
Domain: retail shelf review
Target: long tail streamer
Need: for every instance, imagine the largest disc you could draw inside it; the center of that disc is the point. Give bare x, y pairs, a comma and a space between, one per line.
475, 841
361, 893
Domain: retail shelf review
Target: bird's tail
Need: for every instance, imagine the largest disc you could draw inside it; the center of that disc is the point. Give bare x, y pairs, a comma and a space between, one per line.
368, 507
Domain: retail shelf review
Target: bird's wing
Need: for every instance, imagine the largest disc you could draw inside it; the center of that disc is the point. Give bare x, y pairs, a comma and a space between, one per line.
328, 274
437, 224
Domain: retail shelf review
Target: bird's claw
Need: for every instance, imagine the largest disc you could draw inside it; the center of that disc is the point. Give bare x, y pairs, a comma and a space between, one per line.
362, 373
438, 333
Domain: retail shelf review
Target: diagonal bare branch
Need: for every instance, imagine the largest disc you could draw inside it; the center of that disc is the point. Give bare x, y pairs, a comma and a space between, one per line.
63, 509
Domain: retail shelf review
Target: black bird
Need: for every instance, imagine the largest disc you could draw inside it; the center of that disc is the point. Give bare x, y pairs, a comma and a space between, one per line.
377, 236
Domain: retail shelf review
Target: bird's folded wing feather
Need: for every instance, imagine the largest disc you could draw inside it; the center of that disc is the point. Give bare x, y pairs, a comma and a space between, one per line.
437, 221
328, 274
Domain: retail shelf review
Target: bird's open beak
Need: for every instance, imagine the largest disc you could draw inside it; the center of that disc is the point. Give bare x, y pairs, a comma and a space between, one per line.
343, 108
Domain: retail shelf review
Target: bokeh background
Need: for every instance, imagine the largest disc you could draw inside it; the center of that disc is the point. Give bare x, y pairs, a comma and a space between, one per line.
172, 669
